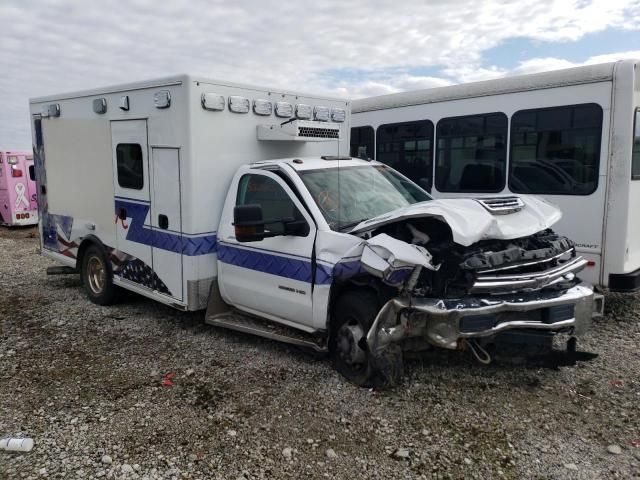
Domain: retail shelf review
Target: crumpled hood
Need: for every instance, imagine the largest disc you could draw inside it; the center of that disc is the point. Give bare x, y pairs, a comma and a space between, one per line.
471, 222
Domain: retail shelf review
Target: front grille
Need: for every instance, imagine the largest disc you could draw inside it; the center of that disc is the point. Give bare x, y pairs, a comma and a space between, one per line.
317, 132
528, 277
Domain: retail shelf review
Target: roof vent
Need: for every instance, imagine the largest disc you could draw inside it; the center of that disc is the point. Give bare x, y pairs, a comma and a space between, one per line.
300, 131
501, 205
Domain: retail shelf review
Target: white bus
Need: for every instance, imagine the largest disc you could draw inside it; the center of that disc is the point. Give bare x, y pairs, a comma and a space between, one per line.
571, 136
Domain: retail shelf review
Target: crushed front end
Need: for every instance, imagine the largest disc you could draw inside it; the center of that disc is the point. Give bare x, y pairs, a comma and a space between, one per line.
466, 297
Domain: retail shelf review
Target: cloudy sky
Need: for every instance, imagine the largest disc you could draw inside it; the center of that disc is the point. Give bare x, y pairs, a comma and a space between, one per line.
348, 48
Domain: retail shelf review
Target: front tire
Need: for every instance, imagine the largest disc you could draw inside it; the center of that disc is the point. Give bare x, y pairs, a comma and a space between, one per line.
354, 314
97, 277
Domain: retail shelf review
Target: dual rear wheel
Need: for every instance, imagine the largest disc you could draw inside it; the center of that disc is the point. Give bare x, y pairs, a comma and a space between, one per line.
97, 277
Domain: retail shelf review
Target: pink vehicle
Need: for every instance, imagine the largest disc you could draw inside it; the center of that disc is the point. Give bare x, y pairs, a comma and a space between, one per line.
18, 199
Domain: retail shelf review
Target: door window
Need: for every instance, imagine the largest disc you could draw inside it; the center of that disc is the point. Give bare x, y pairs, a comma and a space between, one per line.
471, 154
407, 147
556, 150
275, 202
130, 166
362, 140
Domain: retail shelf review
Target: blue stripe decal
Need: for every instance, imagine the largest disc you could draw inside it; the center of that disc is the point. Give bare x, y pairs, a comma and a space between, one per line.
294, 268
172, 242
261, 261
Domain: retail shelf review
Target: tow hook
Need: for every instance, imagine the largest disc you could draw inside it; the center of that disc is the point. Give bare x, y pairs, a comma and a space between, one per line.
479, 352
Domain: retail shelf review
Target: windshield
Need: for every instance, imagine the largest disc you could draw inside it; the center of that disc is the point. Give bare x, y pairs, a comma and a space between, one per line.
347, 196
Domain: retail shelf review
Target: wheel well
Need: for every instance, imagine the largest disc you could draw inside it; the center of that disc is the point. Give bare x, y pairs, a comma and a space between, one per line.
84, 245
363, 284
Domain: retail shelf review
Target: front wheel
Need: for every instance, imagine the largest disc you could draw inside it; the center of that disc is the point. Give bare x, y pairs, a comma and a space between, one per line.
97, 277
354, 314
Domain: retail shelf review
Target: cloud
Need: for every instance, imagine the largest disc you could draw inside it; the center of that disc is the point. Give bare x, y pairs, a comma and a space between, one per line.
51, 46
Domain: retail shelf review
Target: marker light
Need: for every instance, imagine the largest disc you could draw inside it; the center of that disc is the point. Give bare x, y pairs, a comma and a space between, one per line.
303, 111
212, 101
262, 107
284, 109
338, 114
321, 113
52, 110
239, 104
100, 105
162, 99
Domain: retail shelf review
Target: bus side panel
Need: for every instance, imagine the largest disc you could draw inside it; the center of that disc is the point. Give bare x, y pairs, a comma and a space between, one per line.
623, 227
583, 215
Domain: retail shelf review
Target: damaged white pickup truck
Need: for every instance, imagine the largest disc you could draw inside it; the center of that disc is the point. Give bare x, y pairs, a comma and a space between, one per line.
350, 257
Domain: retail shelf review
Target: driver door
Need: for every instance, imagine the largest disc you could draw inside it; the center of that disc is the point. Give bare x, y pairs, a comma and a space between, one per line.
270, 277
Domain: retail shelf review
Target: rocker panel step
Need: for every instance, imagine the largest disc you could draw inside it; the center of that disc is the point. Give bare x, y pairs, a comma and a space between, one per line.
265, 329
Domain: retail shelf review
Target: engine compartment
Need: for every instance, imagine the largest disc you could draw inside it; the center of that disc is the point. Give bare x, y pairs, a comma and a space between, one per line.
459, 267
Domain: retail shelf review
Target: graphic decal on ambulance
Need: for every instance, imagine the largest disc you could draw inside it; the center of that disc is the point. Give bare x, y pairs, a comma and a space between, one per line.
135, 270
185, 244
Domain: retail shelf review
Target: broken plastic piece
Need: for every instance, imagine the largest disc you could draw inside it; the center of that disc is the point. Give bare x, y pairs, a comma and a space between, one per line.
167, 379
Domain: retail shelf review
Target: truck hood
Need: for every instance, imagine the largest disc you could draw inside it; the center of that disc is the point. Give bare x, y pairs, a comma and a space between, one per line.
472, 220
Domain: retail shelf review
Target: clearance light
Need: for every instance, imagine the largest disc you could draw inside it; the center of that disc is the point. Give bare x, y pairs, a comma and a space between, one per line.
262, 107
100, 105
162, 99
212, 101
239, 104
303, 112
321, 113
52, 110
284, 109
338, 115
591, 263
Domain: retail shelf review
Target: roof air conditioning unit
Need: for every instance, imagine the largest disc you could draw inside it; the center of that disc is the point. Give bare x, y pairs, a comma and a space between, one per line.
300, 131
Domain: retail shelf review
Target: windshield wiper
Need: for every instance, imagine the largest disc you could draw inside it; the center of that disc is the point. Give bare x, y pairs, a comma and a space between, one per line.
349, 225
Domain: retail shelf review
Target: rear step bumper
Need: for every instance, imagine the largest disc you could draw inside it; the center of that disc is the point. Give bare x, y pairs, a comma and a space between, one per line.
61, 270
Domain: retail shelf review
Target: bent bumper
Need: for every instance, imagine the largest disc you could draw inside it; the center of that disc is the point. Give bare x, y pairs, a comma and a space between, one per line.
444, 323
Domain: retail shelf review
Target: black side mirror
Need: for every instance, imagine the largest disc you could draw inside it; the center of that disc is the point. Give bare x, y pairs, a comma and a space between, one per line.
248, 223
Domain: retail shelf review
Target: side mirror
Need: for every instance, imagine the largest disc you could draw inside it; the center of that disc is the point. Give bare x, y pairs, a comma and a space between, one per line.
248, 223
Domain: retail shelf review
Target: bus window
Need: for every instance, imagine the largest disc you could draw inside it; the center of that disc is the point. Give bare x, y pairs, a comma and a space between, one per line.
407, 147
362, 142
471, 153
562, 143
635, 162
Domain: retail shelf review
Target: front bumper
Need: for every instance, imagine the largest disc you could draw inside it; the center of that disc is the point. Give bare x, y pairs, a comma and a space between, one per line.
444, 323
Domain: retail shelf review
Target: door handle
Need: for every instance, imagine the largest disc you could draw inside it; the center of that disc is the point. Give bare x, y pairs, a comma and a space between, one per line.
163, 221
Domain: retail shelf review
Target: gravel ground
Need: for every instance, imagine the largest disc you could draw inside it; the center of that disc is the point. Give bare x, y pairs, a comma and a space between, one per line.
142, 391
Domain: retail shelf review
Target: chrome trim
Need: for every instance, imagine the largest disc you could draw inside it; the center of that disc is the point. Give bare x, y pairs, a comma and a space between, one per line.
526, 264
534, 280
438, 322
501, 205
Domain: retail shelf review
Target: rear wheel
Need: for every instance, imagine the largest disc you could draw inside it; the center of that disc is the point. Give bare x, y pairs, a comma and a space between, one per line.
353, 316
97, 277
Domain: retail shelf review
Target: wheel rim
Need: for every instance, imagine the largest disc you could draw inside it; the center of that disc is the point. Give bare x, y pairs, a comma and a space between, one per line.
96, 275
348, 346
